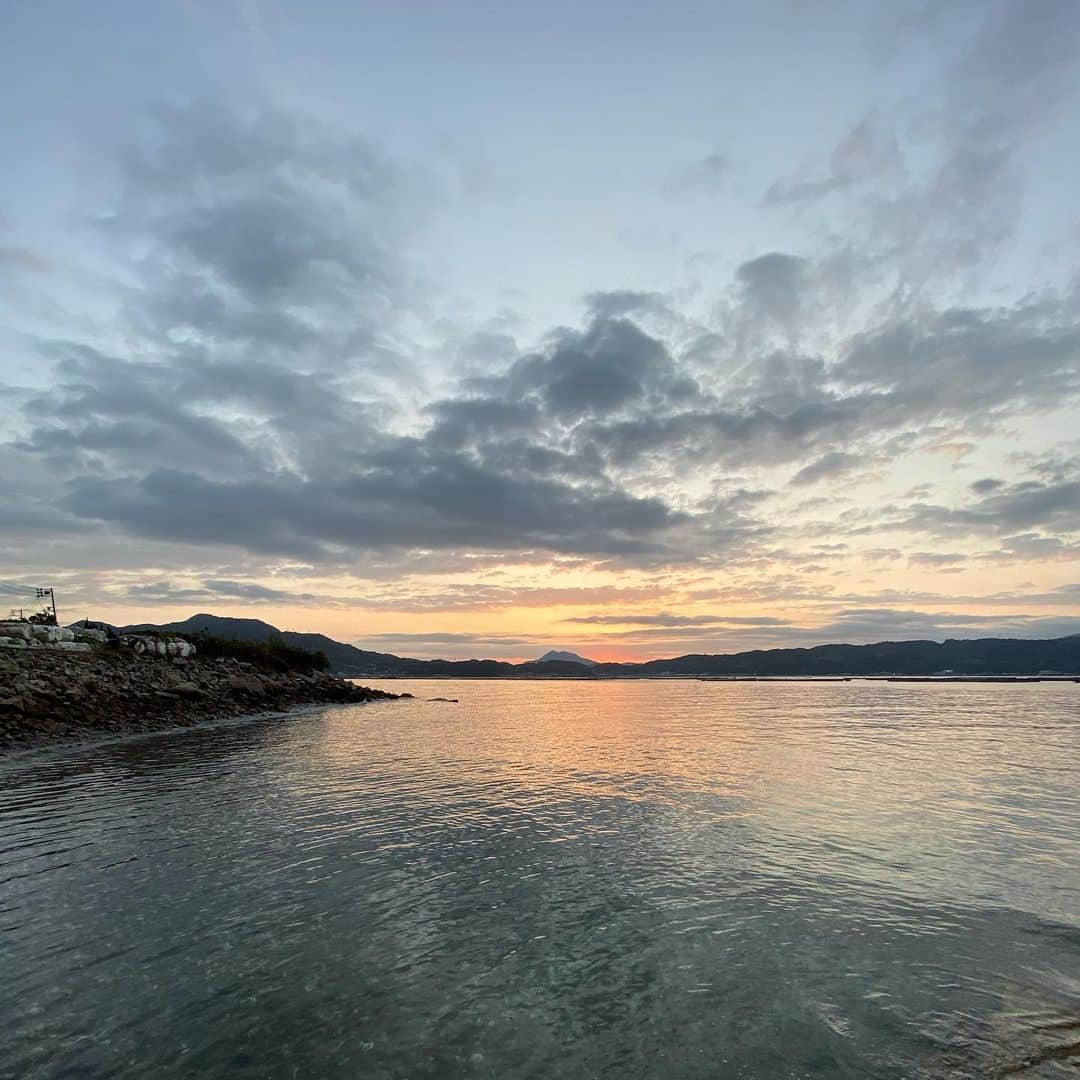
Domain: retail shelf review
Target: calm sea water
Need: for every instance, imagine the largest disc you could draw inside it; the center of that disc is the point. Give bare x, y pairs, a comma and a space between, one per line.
568, 880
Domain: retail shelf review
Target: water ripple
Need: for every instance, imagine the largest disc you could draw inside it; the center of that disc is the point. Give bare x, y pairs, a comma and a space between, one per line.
557, 879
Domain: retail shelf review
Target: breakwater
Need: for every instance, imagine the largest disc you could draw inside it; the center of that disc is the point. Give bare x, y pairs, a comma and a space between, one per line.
48, 695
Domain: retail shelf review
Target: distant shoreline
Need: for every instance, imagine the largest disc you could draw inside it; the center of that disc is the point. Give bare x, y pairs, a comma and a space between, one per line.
954, 658
725, 678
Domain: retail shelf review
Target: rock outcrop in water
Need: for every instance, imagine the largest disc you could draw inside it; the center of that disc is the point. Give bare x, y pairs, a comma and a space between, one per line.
47, 695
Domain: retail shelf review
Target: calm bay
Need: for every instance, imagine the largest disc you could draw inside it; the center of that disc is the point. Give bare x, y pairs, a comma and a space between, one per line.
557, 879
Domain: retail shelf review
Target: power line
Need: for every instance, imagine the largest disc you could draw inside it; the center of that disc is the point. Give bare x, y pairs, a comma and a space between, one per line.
10, 588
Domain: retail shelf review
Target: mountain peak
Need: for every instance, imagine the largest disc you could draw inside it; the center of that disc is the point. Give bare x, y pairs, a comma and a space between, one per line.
566, 657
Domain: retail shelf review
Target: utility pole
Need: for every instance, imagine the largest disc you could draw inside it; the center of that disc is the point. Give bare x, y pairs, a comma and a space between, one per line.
41, 592
50, 595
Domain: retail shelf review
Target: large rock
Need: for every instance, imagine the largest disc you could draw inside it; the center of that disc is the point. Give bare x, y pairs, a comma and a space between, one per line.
245, 684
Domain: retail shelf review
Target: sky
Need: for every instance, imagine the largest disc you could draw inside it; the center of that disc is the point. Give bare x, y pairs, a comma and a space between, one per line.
474, 329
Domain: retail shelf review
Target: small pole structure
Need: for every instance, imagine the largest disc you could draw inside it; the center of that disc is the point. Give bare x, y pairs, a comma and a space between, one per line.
47, 593
39, 592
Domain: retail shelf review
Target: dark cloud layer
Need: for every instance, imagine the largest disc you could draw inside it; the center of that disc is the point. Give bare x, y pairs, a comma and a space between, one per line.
557, 452
1051, 506
211, 590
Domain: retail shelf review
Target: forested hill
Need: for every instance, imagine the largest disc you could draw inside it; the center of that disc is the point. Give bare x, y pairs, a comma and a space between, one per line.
981, 656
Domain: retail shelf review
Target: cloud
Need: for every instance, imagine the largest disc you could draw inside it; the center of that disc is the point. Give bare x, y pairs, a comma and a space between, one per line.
856, 625
481, 596
869, 151
1065, 594
667, 619
456, 639
618, 303
937, 364
1025, 505
834, 463
461, 646
253, 591
1005, 84
937, 559
611, 368
22, 259
1036, 546
772, 288
405, 498
165, 592
876, 624
272, 269
706, 176
266, 237
929, 186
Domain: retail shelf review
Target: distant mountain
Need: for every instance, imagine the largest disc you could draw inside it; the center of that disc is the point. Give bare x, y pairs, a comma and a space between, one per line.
981, 656
350, 661
566, 657
218, 625
344, 659
978, 656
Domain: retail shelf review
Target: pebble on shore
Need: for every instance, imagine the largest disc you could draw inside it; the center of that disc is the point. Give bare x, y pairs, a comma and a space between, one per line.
48, 695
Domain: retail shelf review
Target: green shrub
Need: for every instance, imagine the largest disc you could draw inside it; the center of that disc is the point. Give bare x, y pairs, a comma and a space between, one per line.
274, 654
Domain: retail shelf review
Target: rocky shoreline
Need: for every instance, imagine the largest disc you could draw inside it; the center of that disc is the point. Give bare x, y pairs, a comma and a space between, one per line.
48, 696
